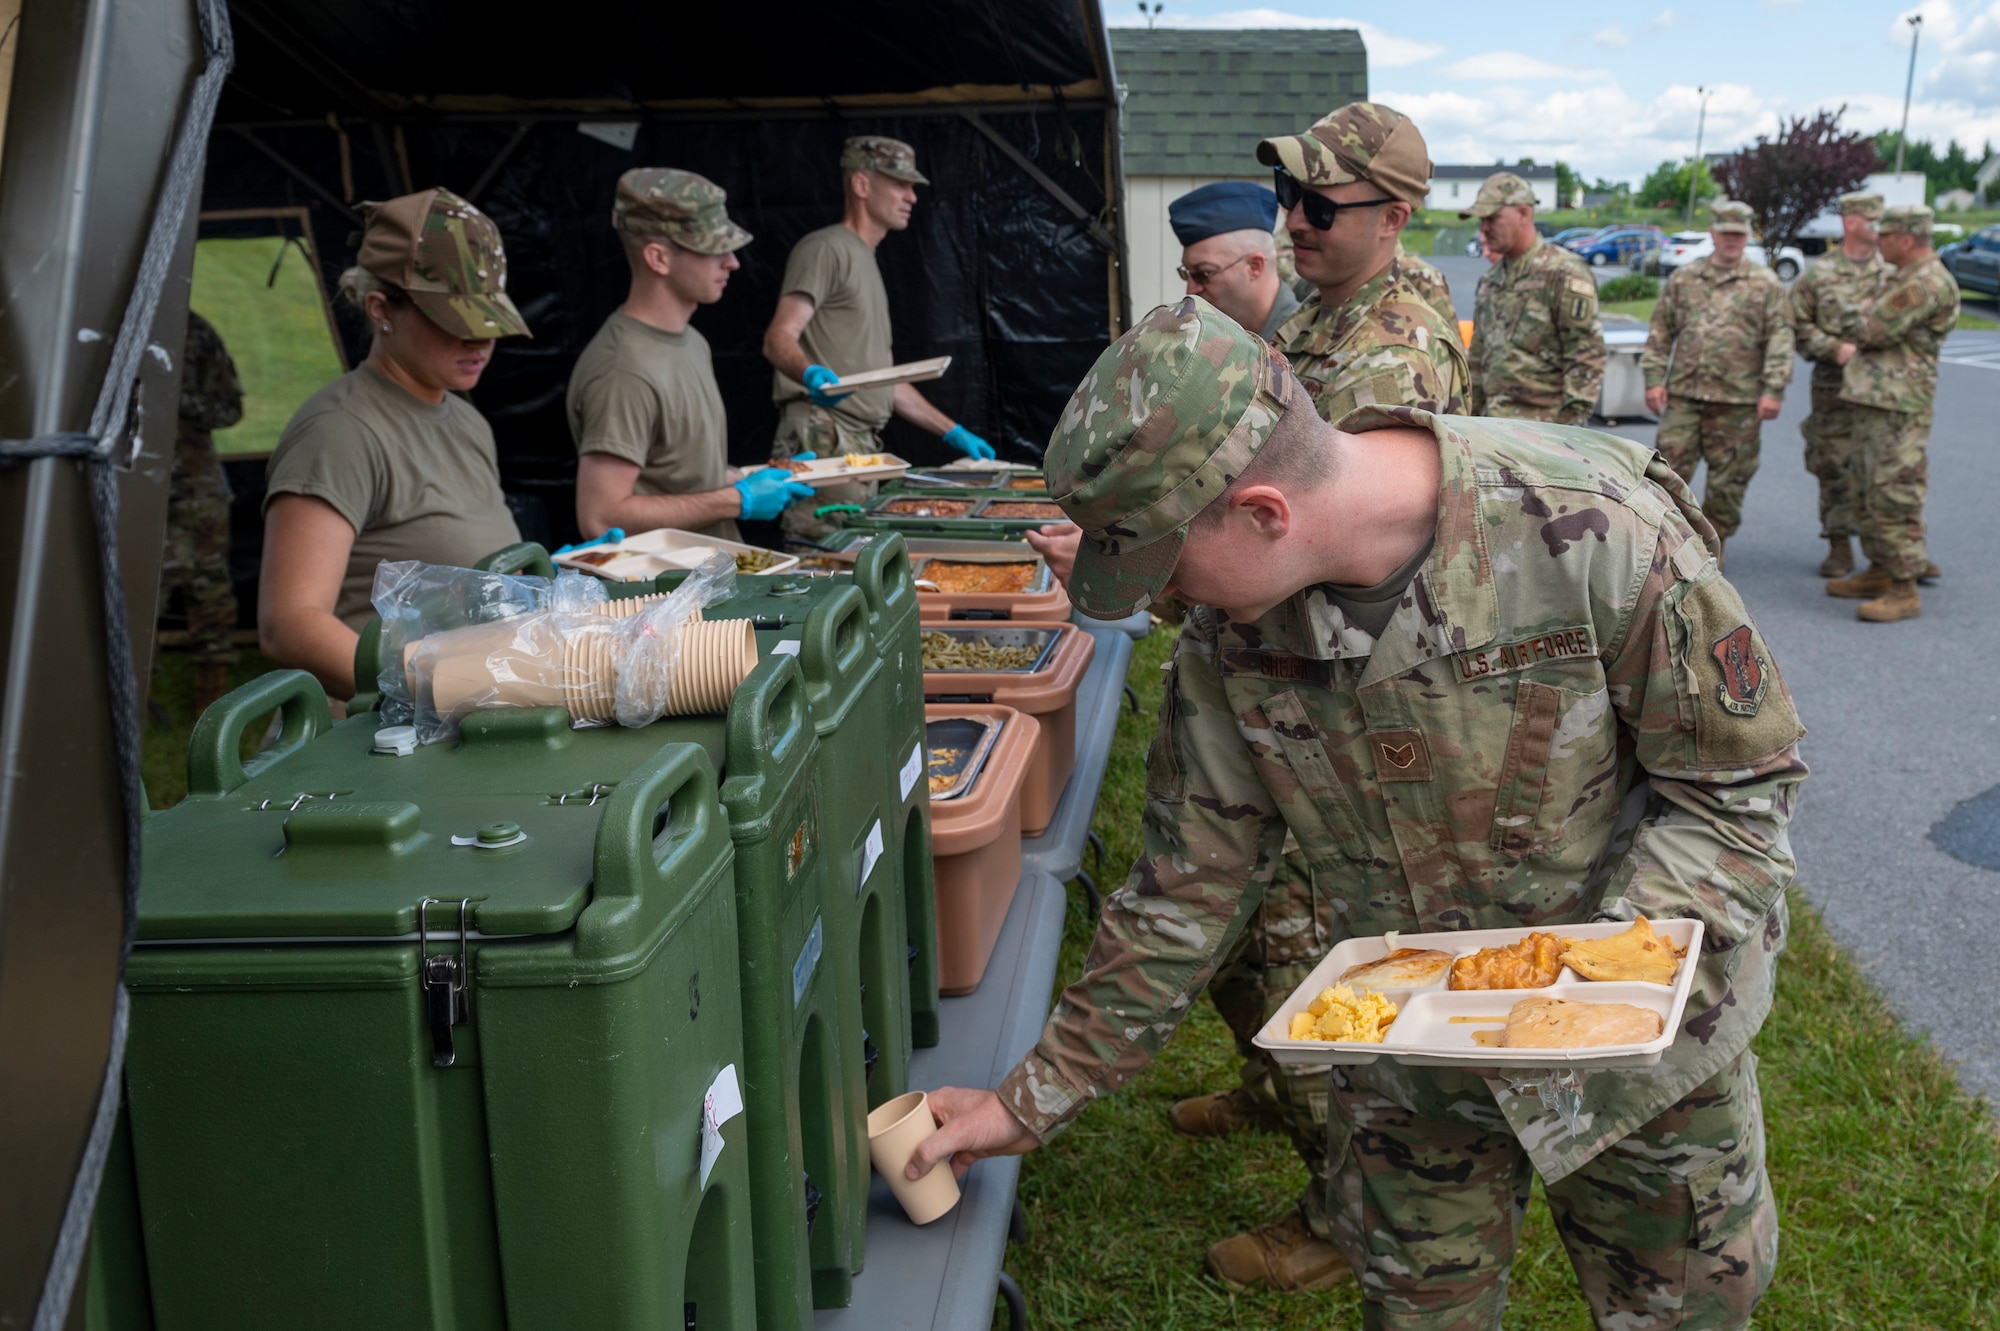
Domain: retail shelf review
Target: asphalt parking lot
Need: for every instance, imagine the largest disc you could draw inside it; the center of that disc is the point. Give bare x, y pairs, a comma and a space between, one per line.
1898, 830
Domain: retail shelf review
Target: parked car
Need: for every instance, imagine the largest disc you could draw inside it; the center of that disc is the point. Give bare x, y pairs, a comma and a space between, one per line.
1618, 245
1975, 261
1570, 235
1684, 247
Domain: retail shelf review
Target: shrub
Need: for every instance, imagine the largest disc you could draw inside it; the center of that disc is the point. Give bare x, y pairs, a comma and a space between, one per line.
1632, 286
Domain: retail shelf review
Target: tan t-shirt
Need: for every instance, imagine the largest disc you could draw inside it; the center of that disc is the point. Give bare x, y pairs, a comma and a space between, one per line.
415, 481
849, 331
649, 396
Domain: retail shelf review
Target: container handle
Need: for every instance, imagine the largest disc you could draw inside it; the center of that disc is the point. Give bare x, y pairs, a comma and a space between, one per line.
882, 571
520, 557
368, 657
215, 764
835, 641
768, 716
626, 861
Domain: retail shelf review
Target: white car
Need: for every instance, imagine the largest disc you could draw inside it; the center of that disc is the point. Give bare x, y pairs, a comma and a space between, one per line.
1684, 247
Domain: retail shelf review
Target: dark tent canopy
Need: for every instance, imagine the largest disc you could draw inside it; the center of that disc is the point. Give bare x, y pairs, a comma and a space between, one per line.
1010, 264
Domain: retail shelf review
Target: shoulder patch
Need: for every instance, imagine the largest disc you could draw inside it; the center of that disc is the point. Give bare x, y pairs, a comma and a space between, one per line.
1740, 719
1745, 673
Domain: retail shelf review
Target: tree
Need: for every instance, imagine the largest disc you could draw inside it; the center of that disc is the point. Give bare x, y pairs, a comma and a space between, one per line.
1789, 180
1568, 184
1667, 187
1954, 168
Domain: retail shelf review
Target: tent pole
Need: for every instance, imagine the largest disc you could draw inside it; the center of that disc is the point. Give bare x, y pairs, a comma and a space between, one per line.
1040, 177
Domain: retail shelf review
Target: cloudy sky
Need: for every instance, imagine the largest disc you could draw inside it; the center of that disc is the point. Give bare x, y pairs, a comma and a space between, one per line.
1610, 89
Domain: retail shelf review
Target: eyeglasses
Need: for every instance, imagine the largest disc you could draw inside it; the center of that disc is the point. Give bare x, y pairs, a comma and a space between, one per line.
1201, 277
1320, 210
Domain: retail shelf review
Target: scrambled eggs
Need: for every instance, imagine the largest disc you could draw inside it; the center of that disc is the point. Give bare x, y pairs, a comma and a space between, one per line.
1338, 1015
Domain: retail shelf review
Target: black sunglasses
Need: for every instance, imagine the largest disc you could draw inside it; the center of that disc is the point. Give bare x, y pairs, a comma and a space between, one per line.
1320, 210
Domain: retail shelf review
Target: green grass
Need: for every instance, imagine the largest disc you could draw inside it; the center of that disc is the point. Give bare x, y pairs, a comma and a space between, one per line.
1970, 319
1887, 1173
1642, 310
276, 334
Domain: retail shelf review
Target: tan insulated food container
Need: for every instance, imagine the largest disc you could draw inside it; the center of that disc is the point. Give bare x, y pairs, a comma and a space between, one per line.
976, 835
1045, 601
1047, 693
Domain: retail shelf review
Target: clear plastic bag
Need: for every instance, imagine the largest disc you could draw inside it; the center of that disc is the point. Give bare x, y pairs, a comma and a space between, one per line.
466, 640
1559, 1089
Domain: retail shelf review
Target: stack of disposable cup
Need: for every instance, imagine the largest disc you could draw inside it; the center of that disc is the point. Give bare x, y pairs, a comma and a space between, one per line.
493, 663
895, 1129
715, 657
632, 605
590, 679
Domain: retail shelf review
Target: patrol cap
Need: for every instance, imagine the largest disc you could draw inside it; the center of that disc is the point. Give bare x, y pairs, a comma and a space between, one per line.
447, 255
1729, 217
1214, 210
1502, 189
1908, 219
892, 157
1860, 204
1360, 141
1170, 414
676, 205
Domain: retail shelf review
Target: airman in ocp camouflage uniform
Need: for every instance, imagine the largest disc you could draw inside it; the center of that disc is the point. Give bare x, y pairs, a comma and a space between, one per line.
1387, 344
197, 554
1826, 302
1720, 350
1537, 345
1591, 731
1889, 378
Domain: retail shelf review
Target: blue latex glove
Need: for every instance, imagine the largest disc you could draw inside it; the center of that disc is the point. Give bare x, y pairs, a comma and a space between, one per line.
766, 492
816, 380
968, 443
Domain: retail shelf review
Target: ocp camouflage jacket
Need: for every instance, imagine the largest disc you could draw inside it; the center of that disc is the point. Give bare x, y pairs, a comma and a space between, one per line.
1387, 344
1826, 306
1720, 335
1899, 334
1570, 718
1537, 343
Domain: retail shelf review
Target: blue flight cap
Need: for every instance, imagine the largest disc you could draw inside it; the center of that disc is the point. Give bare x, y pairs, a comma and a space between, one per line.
1230, 205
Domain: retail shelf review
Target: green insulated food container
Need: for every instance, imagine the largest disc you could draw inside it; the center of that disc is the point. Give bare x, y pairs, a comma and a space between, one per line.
509, 1106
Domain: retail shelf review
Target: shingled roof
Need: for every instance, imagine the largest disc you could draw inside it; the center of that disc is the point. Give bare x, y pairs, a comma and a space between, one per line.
1198, 99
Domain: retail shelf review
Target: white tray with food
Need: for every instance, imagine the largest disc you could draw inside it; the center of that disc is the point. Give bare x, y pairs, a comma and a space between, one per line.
643, 557
1577, 995
846, 467
909, 372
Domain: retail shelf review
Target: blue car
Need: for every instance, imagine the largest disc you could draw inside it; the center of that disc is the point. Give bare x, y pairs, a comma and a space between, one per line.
1975, 261
1571, 235
1621, 245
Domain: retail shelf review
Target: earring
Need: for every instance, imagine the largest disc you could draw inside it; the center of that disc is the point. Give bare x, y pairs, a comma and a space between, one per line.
385, 328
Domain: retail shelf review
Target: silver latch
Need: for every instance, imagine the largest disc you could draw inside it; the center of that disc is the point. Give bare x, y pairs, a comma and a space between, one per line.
447, 995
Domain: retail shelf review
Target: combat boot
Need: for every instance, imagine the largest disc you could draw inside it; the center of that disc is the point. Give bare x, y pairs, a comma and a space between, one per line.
1224, 1112
1899, 602
1283, 1255
1931, 573
1839, 561
211, 681
1870, 582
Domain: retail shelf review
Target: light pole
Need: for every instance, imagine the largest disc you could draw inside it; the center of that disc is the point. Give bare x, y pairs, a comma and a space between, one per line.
1916, 22
1694, 172
1151, 14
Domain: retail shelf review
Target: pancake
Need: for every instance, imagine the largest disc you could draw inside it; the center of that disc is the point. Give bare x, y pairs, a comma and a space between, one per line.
1405, 968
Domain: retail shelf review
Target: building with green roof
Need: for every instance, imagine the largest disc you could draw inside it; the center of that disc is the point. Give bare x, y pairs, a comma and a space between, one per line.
1196, 101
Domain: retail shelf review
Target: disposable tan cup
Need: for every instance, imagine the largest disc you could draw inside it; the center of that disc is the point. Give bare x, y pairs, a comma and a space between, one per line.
896, 1129
715, 657
489, 664
590, 677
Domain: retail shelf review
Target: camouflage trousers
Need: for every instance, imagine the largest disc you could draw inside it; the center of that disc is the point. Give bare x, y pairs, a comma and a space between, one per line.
1671, 1226
1833, 456
1895, 474
1723, 434
196, 559
805, 428
1287, 937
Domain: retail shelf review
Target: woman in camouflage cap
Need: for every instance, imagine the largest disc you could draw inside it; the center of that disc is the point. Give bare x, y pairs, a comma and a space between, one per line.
387, 462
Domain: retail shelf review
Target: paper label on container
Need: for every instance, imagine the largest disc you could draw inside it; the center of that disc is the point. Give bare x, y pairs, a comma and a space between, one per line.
912, 770
871, 851
807, 962
723, 1102
789, 647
